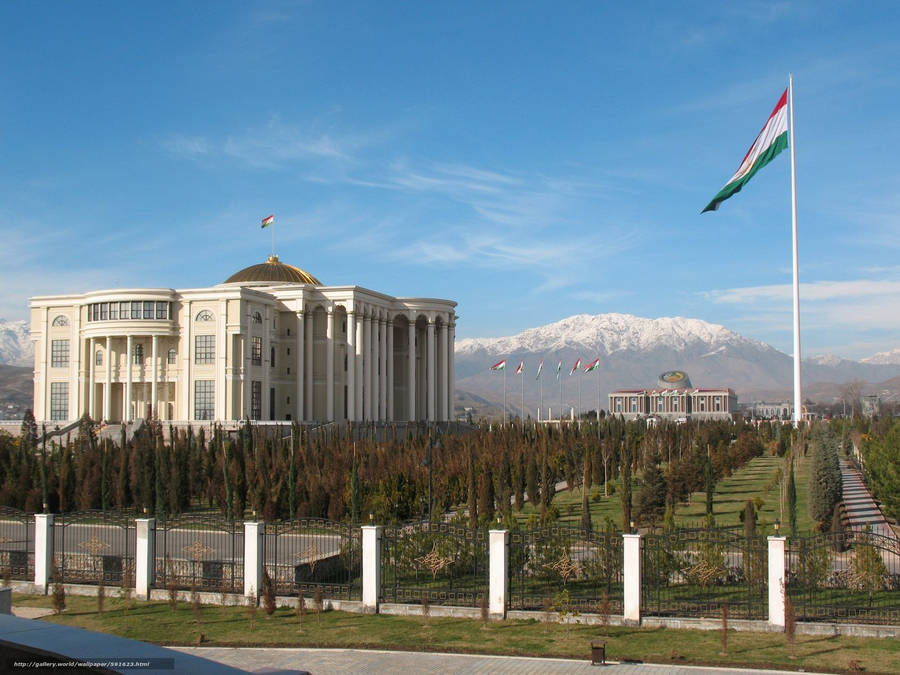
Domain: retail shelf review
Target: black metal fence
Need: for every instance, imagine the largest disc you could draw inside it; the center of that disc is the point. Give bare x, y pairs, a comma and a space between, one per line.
694, 572
446, 564
852, 577
16, 544
311, 553
200, 551
94, 547
566, 569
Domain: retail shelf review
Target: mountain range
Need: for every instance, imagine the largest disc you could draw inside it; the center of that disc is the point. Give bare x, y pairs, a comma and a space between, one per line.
633, 351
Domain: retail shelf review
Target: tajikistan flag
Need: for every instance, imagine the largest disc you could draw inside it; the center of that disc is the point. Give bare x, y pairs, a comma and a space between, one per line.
576, 366
268, 220
558, 368
500, 365
593, 365
520, 368
540, 368
771, 140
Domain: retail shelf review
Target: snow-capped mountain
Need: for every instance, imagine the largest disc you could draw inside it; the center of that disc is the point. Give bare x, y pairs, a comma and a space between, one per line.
16, 348
633, 351
884, 358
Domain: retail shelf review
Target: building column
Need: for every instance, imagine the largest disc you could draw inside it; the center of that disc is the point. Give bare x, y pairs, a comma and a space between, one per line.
411, 385
451, 368
107, 389
777, 585
301, 411
351, 366
76, 402
129, 347
360, 344
367, 369
153, 387
186, 349
373, 369
371, 567
245, 382
498, 562
443, 415
41, 402
91, 363
429, 369
221, 361
389, 366
329, 367
382, 366
631, 571
265, 412
308, 346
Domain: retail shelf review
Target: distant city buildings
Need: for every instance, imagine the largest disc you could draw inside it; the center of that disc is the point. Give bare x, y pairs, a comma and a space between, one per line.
270, 343
762, 410
674, 398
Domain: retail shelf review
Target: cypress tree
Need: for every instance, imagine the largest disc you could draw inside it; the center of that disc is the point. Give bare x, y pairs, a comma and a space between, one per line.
586, 523
531, 478
792, 502
652, 497
471, 489
626, 487
486, 496
354, 488
710, 487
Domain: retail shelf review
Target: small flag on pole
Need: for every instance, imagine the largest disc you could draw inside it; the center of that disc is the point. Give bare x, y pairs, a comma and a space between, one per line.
268, 220
500, 365
771, 140
520, 368
540, 368
593, 365
558, 368
576, 366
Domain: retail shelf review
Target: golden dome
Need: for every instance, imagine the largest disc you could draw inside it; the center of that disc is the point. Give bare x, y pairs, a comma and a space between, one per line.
273, 271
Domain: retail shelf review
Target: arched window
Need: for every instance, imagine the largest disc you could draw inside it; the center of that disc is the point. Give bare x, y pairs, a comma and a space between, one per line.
257, 317
98, 358
171, 357
60, 321
205, 315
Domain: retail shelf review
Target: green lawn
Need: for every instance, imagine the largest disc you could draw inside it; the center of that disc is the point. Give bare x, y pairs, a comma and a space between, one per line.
232, 626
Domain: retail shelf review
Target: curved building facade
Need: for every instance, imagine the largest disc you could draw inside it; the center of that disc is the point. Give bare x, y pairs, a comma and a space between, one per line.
270, 343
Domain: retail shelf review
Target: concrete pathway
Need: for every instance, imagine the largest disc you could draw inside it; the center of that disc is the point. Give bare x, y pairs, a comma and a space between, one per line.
859, 505
371, 662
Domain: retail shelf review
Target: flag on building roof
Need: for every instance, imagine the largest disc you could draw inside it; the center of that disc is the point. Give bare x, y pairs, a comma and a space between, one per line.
558, 368
520, 368
771, 140
500, 365
540, 368
268, 220
593, 365
576, 366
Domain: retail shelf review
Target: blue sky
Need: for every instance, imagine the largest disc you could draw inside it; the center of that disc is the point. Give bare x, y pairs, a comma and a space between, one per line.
531, 160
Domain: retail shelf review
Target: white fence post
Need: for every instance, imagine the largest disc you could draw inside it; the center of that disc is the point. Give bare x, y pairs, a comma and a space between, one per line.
498, 556
144, 556
631, 565
253, 558
43, 551
371, 567
777, 587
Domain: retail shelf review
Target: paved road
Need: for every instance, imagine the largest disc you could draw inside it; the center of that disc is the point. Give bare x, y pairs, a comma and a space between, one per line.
371, 662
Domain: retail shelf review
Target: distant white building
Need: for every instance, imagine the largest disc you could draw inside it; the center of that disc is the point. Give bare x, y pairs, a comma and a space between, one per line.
270, 343
674, 398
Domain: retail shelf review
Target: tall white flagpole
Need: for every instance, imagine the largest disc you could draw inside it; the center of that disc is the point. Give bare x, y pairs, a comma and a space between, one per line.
798, 398
523, 395
504, 394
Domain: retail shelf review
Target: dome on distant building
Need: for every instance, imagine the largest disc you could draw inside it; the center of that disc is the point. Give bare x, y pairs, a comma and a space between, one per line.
674, 379
273, 271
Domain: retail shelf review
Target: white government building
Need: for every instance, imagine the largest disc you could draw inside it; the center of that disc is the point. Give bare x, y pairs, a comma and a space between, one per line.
270, 343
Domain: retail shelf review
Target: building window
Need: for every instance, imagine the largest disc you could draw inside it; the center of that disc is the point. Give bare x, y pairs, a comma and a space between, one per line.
618, 404
98, 358
104, 311
137, 354
204, 399
257, 317
204, 349
702, 402
288, 351
345, 363
171, 357
162, 310
135, 310
634, 404
255, 400
59, 353
60, 321
204, 315
272, 360
289, 332
659, 404
718, 402
675, 404
149, 310
256, 350
59, 401
113, 311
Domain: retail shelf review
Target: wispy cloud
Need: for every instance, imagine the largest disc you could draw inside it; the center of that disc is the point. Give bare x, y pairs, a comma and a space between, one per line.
812, 292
